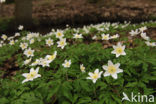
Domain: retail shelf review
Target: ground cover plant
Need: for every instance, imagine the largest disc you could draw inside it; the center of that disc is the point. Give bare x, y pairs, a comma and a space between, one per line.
95, 64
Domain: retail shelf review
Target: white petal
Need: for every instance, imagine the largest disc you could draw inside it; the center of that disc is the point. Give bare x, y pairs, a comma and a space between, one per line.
110, 63
37, 69
63, 64
26, 80
119, 70
38, 75
100, 74
88, 78
105, 67
117, 65
123, 47
25, 74
94, 81
31, 79
114, 46
32, 69
119, 44
123, 53
114, 76
106, 74
113, 52
117, 55
90, 74
96, 71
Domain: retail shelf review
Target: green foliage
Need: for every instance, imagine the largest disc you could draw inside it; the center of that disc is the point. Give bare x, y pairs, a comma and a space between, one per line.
59, 85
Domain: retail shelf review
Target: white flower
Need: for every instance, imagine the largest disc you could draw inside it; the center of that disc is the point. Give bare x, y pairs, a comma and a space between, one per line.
112, 69
94, 37
29, 52
142, 29
95, 76
77, 36
86, 29
33, 74
100, 29
44, 62
152, 44
10, 38
16, 40
49, 42
1, 45
32, 41
144, 36
32, 35
62, 43
20, 27
105, 37
114, 36
82, 68
59, 34
1, 42
23, 38
37, 62
119, 50
4, 37
23, 45
27, 61
134, 33
66, 63
12, 42
29, 36
51, 57
17, 34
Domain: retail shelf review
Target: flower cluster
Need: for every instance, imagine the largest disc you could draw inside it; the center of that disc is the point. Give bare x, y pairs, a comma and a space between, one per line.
45, 61
143, 35
110, 70
61, 41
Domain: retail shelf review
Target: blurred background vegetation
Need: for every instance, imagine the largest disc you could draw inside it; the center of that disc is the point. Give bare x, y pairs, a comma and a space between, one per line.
47, 14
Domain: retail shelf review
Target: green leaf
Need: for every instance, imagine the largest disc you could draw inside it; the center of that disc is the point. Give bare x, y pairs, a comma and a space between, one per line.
4, 100
132, 84
55, 88
84, 100
75, 98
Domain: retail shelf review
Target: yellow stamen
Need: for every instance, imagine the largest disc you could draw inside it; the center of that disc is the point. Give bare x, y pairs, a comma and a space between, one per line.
95, 76
111, 69
59, 34
119, 50
62, 43
29, 52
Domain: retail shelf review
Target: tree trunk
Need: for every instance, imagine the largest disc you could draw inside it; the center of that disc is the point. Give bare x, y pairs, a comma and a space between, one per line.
23, 12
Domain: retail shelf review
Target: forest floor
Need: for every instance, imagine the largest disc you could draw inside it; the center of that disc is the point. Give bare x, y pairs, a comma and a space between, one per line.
82, 12
48, 14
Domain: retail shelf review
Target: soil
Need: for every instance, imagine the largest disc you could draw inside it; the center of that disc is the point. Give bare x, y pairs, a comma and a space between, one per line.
152, 33
56, 12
